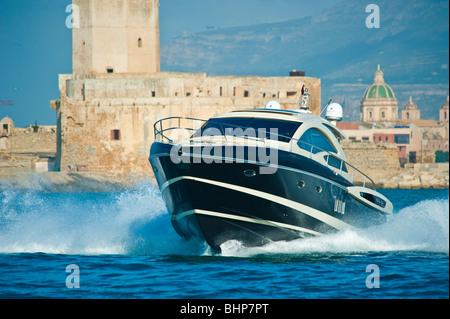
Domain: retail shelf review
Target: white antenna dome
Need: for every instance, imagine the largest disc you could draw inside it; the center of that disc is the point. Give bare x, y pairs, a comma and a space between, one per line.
273, 105
334, 112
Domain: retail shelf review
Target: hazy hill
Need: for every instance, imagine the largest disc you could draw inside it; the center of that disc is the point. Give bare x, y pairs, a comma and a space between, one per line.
412, 46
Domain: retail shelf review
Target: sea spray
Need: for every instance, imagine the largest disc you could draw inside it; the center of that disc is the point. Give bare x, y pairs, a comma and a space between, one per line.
135, 221
421, 227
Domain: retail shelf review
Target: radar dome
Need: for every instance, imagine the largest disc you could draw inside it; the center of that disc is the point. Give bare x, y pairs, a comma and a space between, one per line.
334, 112
273, 105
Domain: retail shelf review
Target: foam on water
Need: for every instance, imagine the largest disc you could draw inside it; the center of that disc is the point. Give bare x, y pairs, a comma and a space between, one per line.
421, 227
137, 222
131, 222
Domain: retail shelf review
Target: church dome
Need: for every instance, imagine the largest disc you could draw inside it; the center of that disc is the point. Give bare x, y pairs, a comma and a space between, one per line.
410, 105
379, 89
379, 103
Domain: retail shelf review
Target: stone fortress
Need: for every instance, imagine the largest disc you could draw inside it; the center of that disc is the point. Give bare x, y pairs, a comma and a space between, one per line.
108, 105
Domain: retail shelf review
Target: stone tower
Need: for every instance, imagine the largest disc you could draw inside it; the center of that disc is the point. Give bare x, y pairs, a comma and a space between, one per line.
443, 112
116, 36
379, 103
411, 111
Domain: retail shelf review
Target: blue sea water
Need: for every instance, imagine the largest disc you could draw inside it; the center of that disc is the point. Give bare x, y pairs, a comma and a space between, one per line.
122, 245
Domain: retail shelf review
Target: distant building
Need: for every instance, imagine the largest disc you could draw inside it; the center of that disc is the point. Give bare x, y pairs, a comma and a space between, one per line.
24, 150
379, 103
410, 112
443, 112
417, 139
6, 127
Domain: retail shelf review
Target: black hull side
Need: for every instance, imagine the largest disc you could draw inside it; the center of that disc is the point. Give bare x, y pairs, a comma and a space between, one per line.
220, 201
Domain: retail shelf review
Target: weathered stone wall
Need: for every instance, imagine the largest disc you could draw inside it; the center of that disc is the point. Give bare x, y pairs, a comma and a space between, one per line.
27, 140
28, 150
194, 85
381, 164
369, 156
92, 108
420, 175
375, 160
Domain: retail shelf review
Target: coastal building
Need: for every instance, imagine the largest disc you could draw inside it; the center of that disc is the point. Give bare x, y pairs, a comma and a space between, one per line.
379, 104
417, 139
410, 112
6, 127
108, 105
24, 150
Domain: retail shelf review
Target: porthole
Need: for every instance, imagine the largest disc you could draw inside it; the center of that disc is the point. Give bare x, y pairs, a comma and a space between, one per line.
250, 173
318, 189
301, 184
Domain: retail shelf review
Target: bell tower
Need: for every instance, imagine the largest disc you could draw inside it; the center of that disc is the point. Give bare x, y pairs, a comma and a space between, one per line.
116, 36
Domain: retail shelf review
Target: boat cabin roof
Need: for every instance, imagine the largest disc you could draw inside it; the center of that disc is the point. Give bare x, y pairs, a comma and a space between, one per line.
285, 115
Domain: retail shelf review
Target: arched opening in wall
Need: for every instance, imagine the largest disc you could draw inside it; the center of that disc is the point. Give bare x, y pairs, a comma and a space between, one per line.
140, 43
5, 129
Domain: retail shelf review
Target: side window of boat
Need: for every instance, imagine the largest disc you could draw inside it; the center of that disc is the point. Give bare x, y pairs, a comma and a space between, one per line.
250, 127
314, 141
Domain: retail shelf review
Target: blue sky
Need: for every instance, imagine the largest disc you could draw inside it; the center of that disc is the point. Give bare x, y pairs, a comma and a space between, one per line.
36, 44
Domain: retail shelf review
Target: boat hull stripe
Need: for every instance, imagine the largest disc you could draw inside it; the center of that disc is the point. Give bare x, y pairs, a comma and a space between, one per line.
317, 214
246, 219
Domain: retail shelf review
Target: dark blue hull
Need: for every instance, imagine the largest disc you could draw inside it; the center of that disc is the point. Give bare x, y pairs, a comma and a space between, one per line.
222, 201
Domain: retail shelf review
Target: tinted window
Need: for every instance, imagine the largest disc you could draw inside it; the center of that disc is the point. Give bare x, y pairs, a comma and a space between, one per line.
251, 127
401, 139
336, 163
317, 139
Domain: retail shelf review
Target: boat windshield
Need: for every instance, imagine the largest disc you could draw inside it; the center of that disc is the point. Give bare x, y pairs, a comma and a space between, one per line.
278, 130
314, 137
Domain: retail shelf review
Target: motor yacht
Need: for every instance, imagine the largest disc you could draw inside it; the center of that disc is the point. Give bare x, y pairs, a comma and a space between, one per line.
262, 175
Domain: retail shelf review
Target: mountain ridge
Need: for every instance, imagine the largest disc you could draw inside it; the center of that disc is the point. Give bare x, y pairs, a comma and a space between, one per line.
411, 45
